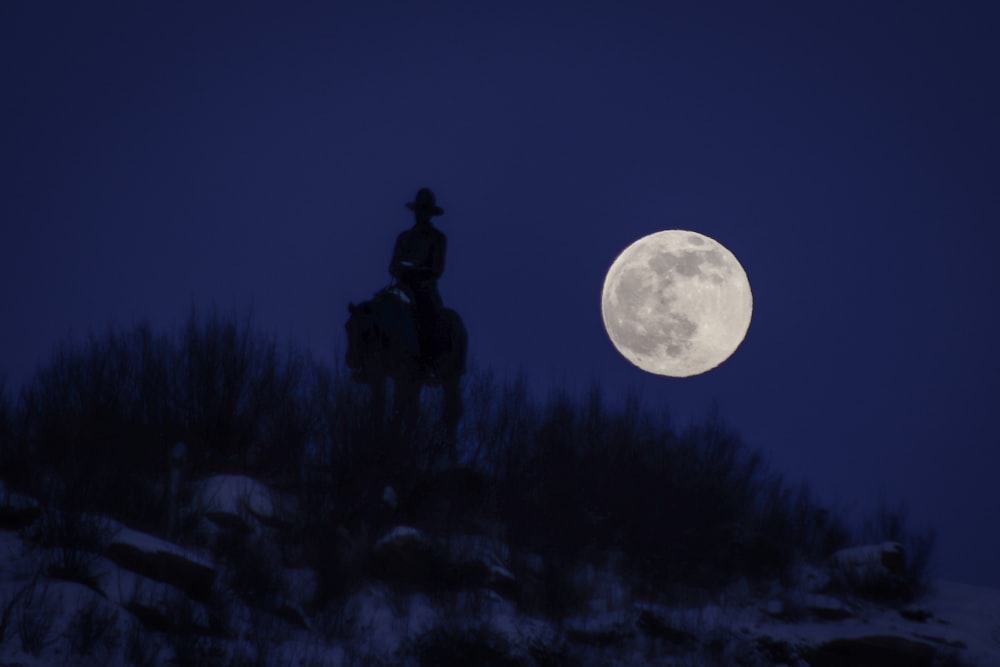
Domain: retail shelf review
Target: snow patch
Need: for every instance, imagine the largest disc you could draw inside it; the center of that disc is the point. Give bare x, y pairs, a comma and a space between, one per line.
236, 499
400, 534
152, 545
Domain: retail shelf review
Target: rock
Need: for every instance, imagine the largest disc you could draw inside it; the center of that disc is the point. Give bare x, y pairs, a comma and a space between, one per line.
600, 634
400, 535
237, 502
17, 511
160, 616
871, 651
889, 556
389, 498
501, 581
893, 557
453, 497
407, 555
163, 561
654, 625
293, 613
532, 563
301, 585
462, 562
774, 608
476, 561
916, 614
874, 571
944, 641
778, 651
827, 608
812, 579
158, 606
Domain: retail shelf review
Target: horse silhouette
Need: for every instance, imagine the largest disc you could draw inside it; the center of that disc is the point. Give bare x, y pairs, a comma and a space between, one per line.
383, 344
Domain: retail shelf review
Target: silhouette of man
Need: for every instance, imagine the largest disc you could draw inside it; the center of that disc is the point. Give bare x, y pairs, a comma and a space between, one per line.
417, 263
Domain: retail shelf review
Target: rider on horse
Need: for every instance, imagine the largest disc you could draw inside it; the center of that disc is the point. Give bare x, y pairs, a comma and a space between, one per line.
417, 263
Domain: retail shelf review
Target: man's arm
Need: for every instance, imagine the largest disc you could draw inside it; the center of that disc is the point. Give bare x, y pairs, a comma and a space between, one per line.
438, 252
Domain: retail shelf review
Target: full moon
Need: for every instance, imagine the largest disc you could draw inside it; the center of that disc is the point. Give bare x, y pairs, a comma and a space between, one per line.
676, 303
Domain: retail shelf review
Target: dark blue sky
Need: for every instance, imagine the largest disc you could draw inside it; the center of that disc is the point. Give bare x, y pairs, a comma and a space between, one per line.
260, 155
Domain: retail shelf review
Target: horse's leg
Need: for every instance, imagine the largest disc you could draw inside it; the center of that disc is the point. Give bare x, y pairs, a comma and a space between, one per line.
396, 414
451, 413
376, 415
405, 408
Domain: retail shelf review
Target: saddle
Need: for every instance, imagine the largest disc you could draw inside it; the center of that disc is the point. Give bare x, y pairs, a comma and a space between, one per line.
432, 333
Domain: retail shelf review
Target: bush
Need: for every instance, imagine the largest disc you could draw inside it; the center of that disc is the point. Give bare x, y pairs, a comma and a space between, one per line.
191, 650
72, 541
98, 417
93, 630
6, 428
451, 644
255, 570
238, 397
698, 508
104, 414
33, 617
498, 417
566, 480
139, 650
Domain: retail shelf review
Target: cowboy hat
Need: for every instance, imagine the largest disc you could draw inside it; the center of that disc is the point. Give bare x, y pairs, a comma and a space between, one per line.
425, 203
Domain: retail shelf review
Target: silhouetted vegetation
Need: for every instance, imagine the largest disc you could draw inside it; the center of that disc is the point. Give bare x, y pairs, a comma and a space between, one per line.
563, 483
71, 542
7, 451
93, 630
576, 480
33, 614
457, 645
103, 415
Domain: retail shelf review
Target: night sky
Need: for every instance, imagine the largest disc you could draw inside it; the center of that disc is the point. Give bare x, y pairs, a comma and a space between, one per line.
159, 155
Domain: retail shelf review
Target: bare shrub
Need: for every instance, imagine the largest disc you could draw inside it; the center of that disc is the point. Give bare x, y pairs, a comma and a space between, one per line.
695, 508
498, 416
192, 650
7, 450
566, 479
238, 397
7, 611
33, 618
93, 630
104, 413
71, 540
139, 650
453, 644
96, 416
193, 633
342, 480
551, 590
254, 569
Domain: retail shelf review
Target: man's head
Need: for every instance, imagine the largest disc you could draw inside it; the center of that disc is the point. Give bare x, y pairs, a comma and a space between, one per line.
425, 205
